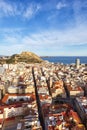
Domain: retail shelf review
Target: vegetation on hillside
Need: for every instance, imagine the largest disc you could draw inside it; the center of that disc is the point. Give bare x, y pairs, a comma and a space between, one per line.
27, 57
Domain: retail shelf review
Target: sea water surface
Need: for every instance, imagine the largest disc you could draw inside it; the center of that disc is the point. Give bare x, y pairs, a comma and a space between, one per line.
65, 59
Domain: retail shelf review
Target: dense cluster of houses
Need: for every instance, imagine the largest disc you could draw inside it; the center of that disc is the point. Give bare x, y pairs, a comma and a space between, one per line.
46, 96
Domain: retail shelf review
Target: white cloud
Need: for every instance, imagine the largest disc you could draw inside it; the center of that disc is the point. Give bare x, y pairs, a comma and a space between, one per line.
12, 40
80, 11
6, 9
12, 49
71, 36
74, 36
18, 9
44, 43
31, 10
60, 5
11, 31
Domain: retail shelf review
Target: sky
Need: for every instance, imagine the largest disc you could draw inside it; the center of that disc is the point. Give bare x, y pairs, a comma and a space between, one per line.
45, 27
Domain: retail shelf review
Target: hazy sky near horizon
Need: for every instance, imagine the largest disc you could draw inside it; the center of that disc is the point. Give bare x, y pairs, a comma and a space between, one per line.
45, 27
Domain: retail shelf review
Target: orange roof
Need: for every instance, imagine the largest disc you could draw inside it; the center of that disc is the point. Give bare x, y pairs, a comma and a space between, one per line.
5, 98
75, 116
15, 105
1, 121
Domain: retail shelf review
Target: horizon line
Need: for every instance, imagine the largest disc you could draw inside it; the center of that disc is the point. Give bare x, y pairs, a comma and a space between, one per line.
64, 56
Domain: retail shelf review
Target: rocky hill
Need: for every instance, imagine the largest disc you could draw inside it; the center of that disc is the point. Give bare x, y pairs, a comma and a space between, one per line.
27, 57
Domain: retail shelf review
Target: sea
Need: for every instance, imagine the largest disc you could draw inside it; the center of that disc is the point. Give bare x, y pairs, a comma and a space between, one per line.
65, 59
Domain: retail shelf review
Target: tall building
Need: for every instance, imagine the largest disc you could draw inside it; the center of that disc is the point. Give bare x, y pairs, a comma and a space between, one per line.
77, 63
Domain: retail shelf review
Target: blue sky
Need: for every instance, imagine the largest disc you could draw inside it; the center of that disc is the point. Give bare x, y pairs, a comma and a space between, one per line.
45, 27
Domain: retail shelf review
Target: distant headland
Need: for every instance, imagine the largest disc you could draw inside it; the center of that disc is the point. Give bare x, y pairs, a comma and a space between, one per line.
27, 57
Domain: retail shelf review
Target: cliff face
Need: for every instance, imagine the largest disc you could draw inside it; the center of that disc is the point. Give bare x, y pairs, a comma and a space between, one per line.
27, 57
